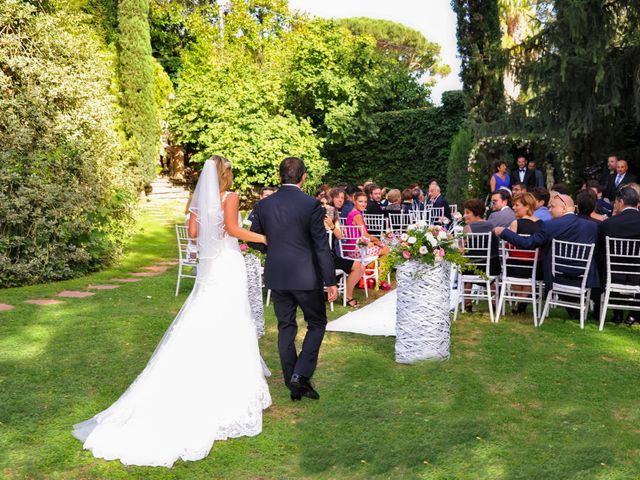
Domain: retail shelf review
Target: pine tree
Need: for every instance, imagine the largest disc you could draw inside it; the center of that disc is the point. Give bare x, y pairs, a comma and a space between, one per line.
136, 83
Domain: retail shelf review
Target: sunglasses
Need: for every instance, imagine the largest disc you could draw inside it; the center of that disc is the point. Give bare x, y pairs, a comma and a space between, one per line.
560, 197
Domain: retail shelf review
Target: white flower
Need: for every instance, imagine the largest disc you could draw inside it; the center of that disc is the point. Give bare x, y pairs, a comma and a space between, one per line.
457, 216
411, 227
412, 240
404, 237
442, 235
431, 239
438, 258
421, 224
423, 250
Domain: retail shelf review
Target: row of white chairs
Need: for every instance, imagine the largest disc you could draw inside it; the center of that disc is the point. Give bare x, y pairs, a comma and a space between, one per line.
570, 265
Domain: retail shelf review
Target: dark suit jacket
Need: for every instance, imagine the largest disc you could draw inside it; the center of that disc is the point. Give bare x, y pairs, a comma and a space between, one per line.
624, 225
569, 228
529, 177
298, 253
441, 202
611, 185
373, 208
537, 179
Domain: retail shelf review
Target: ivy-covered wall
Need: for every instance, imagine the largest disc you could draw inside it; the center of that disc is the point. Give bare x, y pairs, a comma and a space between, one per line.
404, 147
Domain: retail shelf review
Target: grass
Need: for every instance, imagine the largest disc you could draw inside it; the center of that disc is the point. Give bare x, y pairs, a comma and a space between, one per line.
513, 402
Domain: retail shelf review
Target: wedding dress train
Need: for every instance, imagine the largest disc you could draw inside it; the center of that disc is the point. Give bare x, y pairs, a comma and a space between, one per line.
205, 381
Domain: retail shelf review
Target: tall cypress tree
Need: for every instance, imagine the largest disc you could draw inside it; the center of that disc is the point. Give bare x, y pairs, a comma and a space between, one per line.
136, 81
482, 65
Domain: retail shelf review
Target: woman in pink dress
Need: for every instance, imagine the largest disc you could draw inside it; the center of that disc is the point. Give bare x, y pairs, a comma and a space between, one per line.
376, 247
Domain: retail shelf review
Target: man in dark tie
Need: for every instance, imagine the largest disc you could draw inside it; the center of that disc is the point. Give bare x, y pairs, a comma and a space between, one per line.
626, 224
620, 178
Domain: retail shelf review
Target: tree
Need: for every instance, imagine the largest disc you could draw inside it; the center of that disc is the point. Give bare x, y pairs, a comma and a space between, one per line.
482, 66
136, 80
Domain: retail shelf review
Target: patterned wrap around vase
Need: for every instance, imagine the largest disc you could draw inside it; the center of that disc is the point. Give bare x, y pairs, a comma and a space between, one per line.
254, 284
422, 312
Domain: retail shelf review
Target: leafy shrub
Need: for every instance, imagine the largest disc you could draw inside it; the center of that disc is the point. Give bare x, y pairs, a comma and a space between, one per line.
65, 204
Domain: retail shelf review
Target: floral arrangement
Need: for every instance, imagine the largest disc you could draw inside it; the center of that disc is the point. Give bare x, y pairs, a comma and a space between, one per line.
425, 243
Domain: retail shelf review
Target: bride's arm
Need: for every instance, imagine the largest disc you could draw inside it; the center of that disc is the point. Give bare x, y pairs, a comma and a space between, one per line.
231, 208
193, 225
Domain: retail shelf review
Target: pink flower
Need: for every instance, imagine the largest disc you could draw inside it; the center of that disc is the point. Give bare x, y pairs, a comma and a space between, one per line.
441, 252
406, 254
244, 247
384, 286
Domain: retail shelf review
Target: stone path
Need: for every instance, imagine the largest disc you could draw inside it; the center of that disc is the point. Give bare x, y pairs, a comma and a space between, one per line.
149, 271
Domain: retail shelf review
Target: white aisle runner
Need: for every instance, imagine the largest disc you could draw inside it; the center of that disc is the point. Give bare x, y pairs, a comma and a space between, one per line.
379, 317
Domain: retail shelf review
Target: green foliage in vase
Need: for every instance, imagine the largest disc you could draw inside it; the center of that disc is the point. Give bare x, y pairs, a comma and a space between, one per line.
136, 79
65, 205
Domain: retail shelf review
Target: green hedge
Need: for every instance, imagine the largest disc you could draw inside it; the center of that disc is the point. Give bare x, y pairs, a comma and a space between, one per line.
404, 147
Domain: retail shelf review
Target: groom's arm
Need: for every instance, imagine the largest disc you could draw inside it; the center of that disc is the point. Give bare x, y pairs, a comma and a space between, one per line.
256, 227
321, 246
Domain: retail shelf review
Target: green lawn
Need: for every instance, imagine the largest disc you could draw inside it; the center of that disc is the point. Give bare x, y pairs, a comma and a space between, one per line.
513, 401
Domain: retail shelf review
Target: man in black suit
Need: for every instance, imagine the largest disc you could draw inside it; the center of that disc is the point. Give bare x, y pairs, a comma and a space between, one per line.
620, 178
299, 263
374, 206
625, 224
521, 174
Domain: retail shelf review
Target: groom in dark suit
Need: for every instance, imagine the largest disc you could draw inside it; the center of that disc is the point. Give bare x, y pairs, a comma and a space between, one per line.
299, 263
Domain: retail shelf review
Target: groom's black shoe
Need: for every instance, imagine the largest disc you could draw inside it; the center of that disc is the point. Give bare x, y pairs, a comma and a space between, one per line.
304, 386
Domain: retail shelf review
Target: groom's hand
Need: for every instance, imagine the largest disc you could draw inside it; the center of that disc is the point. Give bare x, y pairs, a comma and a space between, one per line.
332, 293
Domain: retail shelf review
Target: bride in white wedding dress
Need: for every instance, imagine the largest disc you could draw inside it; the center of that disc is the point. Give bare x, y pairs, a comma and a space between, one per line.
205, 381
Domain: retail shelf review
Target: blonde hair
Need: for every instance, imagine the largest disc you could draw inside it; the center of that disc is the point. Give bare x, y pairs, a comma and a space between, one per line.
225, 174
394, 196
528, 201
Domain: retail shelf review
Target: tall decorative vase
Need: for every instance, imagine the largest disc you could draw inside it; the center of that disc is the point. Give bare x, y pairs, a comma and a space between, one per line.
422, 313
254, 289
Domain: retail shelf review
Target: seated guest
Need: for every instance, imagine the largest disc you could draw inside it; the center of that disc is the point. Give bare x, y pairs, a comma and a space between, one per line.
542, 200
418, 196
564, 225
526, 223
560, 189
436, 200
393, 201
373, 203
383, 194
473, 216
518, 188
625, 224
407, 201
348, 201
337, 199
502, 215
376, 247
602, 206
264, 193
586, 206
500, 178
352, 268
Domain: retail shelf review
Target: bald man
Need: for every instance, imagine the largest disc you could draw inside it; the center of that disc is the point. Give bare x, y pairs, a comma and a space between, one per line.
621, 177
564, 225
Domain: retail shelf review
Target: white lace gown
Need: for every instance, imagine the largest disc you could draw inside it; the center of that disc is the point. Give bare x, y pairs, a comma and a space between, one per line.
205, 381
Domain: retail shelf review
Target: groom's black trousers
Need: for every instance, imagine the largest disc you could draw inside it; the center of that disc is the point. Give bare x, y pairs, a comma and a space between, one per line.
285, 304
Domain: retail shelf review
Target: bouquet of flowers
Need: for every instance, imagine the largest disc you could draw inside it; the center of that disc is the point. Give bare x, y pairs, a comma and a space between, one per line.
245, 249
427, 244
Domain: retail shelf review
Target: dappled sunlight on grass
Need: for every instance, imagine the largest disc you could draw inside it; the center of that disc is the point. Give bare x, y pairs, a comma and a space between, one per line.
513, 401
